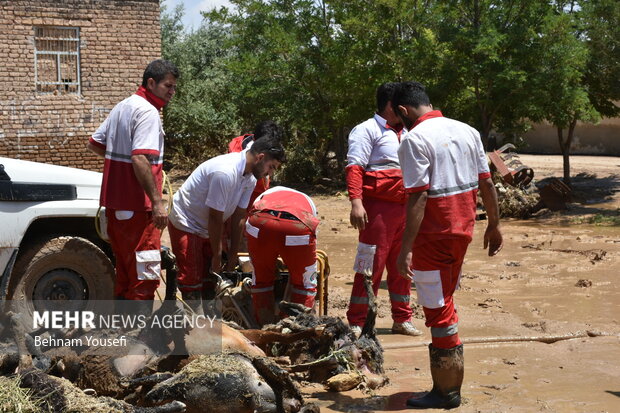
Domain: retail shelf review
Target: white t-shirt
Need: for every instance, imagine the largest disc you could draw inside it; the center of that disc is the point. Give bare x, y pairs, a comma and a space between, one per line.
218, 183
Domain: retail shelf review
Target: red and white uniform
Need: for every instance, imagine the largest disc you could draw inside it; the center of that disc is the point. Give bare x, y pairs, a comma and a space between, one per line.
133, 128
444, 157
374, 175
220, 184
283, 222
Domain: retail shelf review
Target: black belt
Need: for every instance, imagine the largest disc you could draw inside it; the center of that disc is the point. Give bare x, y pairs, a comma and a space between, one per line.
281, 214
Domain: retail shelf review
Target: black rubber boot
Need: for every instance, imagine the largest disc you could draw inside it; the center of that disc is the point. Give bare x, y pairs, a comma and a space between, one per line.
447, 368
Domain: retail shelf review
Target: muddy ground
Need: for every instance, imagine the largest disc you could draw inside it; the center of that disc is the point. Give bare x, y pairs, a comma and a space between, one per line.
556, 277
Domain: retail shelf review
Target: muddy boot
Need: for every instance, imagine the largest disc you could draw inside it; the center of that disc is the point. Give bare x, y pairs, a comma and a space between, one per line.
193, 299
447, 370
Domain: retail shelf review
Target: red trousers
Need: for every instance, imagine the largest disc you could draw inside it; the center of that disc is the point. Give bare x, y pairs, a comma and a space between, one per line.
135, 243
383, 234
269, 237
437, 271
193, 254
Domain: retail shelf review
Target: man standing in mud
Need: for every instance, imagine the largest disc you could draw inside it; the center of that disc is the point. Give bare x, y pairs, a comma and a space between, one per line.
444, 166
132, 141
375, 185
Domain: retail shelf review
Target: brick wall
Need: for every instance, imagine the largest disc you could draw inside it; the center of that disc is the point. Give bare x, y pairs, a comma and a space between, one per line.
117, 40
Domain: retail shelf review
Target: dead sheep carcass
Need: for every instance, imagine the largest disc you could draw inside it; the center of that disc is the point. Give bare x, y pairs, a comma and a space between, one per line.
56, 394
231, 383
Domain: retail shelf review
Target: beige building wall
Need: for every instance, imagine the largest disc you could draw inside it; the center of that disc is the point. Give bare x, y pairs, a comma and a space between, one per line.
52, 123
600, 139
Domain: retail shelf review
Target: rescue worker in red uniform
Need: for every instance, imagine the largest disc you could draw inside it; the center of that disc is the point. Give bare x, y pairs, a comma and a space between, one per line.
219, 189
282, 222
444, 165
131, 140
374, 181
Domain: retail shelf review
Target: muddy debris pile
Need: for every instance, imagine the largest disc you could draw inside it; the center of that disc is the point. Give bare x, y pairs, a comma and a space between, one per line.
332, 356
251, 370
516, 202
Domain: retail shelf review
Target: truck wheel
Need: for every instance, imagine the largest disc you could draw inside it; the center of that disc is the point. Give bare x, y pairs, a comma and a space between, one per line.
62, 269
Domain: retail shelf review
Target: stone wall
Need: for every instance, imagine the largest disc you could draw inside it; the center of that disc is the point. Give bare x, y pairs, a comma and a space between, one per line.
117, 39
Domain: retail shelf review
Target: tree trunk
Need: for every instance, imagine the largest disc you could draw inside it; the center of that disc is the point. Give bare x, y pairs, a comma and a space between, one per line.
486, 129
566, 155
565, 149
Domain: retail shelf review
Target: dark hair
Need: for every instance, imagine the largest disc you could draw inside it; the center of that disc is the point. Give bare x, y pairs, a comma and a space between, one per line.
412, 94
158, 69
271, 147
385, 92
268, 128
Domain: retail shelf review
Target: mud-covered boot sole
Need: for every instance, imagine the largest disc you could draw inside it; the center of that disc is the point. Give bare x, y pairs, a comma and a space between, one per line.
433, 400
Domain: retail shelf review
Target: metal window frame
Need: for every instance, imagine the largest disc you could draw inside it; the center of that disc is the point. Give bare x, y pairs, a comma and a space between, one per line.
58, 54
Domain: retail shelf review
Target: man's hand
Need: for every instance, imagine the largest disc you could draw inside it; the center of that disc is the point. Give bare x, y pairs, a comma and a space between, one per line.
142, 170
215, 228
358, 216
492, 235
160, 215
403, 264
493, 239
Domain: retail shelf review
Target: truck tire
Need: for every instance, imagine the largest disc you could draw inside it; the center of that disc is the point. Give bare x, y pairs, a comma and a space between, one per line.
61, 268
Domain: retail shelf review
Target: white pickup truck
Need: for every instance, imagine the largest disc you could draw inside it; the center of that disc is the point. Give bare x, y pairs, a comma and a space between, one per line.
49, 246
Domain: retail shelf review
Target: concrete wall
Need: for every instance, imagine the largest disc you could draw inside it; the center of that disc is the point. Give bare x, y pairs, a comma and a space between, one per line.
600, 139
117, 40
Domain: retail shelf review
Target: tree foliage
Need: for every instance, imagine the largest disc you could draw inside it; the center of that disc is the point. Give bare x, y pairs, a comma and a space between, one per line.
201, 118
314, 65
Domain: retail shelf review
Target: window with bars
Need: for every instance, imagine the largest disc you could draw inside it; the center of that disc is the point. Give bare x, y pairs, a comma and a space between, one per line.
57, 59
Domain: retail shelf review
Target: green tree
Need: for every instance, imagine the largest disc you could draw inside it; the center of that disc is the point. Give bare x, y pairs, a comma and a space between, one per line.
202, 117
580, 77
600, 22
561, 93
488, 60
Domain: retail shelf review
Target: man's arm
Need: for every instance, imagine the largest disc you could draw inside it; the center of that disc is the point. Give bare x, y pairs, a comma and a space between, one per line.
142, 169
216, 228
358, 216
355, 182
97, 150
358, 155
492, 236
237, 222
416, 203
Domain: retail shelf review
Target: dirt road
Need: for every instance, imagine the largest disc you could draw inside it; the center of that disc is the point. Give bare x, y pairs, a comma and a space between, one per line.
556, 278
